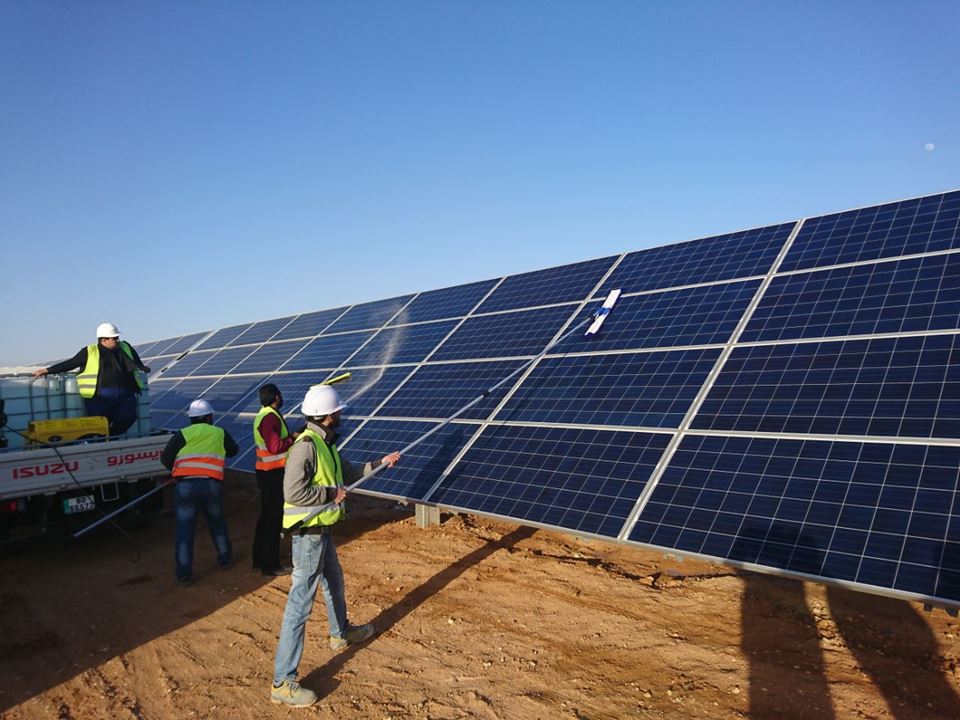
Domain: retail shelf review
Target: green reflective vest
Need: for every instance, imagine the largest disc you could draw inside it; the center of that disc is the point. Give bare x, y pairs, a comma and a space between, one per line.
89, 378
329, 473
204, 454
266, 460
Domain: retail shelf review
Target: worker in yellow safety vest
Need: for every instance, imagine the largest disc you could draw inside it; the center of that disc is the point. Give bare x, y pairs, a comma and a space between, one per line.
272, 439
196, 455
111, 376
314, 475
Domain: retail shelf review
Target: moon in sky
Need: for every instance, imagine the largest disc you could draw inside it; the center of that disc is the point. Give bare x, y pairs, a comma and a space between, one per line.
929, 147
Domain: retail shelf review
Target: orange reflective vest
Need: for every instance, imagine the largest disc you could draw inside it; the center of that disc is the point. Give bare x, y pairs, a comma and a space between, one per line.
204, 454
265, 459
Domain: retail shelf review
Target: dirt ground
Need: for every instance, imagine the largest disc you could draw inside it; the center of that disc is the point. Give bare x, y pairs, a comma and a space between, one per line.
477, 619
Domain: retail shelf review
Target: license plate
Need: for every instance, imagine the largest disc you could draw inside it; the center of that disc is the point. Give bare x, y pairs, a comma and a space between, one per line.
78, 504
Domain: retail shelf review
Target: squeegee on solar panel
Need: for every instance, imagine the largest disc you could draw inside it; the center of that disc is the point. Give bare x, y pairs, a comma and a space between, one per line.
594, 321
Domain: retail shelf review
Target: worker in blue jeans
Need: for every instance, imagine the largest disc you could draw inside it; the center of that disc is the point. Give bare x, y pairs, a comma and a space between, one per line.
197, 456
314, 495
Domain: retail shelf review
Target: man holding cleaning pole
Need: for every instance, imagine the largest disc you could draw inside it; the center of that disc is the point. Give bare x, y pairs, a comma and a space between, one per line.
314, 476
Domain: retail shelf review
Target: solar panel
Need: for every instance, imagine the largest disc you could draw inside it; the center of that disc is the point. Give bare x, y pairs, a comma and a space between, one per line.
187, 364
737, 255
269, 357
420, 467
879, 515
693, 316
901, 387
369, 315
547, 287
904, 296
785, 398
524, 332
261, 331
918, 225
439, 390
446, 303
229, 391
582, 480
402, 344
327, 351
641, 389
183, 344
309, 324
369, 386
222, 361
222, 338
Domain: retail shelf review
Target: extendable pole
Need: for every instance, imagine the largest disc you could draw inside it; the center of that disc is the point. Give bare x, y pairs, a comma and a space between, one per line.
119, 510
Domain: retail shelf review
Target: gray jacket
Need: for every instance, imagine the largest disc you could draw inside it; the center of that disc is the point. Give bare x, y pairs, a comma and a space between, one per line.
301, 466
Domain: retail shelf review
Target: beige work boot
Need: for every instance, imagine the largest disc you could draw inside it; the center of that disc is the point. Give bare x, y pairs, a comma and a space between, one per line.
290, 693
353, 635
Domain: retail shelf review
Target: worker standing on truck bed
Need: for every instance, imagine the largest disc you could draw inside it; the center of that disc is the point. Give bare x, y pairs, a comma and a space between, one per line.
197, 455
313, 476
111, 376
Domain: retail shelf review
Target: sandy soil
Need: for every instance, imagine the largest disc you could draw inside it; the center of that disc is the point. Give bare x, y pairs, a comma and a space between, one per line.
477, 619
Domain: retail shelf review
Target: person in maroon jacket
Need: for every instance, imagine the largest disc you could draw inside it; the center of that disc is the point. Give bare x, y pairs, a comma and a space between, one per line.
273, 439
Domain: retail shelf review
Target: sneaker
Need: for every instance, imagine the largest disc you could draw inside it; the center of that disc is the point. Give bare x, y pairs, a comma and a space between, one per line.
355, 634
184, 581
290, 693
225, 565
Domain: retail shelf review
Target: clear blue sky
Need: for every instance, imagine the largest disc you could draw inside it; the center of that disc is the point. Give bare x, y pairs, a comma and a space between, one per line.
181, 166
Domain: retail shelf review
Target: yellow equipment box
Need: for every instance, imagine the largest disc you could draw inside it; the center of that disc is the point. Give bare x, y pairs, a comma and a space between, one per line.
51, 432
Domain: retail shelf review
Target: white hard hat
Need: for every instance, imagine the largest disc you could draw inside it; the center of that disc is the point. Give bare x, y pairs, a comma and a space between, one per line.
107, 330
199, 408
321, 400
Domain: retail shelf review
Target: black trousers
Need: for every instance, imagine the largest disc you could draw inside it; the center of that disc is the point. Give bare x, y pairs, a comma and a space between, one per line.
266, 539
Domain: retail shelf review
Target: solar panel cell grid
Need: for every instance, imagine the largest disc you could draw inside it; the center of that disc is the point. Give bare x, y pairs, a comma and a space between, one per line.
638, 389
446, 303
902, 228
582, 480
547, 287
327, 351
309, 324
227, 392
882, 515
438, 391
368, 387
695, 316
742, 254
905, 387
222, 361
261, 331
178, 397
184, 343
525, 332
223, 337
404, 344
188, 363
270, 356
369, 315
919, 294
419, 468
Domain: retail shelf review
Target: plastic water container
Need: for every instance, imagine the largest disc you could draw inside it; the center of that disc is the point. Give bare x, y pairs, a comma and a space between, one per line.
54, 400
142, 426
73, 403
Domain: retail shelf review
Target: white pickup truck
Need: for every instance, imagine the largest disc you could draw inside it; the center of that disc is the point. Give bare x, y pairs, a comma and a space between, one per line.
47, 488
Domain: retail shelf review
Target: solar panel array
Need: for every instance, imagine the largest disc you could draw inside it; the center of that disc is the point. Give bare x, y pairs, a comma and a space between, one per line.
785, 398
